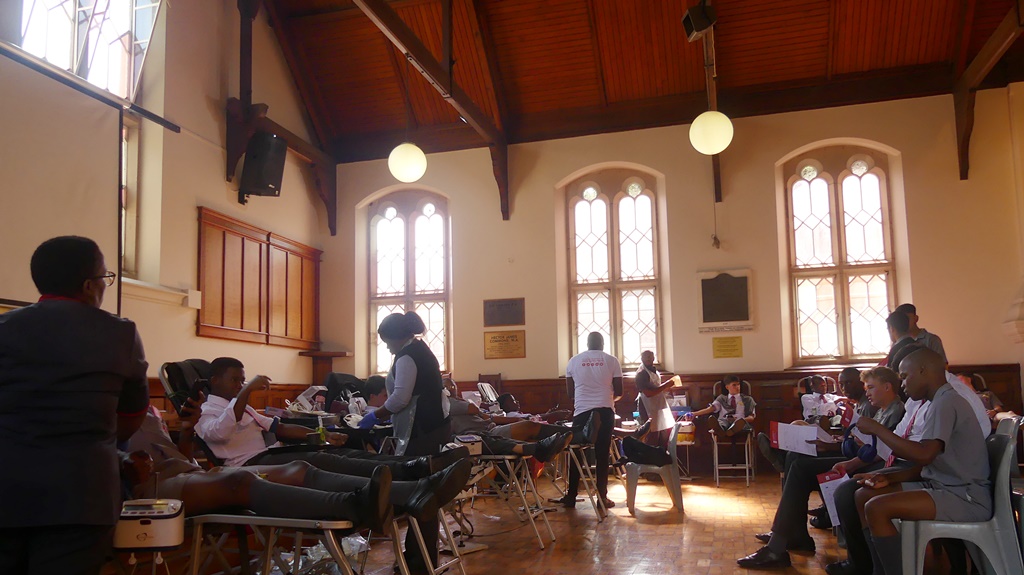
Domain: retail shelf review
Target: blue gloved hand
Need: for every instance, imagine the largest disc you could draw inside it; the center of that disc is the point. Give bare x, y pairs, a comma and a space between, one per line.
368, 420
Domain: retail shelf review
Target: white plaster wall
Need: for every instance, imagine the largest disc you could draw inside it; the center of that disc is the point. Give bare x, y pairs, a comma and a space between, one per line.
962, 237
200, 71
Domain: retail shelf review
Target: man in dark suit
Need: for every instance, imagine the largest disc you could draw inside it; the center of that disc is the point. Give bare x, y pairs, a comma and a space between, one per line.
72, 384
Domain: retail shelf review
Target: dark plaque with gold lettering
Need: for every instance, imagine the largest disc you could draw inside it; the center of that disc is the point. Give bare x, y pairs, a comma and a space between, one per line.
499, 312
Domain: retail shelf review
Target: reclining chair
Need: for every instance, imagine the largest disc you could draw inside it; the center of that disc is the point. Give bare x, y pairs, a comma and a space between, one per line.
183, 380
747, 466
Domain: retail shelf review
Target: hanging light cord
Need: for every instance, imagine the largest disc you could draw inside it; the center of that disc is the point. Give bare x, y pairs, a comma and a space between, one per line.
715, 242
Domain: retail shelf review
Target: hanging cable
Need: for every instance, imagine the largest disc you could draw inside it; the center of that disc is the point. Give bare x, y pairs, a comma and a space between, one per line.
715, 242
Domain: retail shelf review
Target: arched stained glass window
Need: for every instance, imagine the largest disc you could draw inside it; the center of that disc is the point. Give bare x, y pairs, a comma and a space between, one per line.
409, 260
613, 268
841, 264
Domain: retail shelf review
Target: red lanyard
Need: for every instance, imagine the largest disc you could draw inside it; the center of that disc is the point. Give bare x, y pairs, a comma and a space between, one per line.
906, 433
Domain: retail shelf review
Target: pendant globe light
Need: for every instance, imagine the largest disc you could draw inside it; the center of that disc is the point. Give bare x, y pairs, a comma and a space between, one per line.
711, 132
407, 162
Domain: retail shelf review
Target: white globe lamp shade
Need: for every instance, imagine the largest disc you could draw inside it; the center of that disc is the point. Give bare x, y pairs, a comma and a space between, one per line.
711, 132
407, 162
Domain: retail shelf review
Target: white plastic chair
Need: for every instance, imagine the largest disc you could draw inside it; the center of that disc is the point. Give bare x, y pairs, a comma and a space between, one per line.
996, 538
669, 474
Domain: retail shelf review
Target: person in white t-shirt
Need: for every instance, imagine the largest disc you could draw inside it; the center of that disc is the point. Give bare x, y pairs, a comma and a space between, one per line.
593, 380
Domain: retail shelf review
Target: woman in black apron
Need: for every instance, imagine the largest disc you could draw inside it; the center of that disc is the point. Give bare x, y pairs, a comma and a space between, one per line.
416, 404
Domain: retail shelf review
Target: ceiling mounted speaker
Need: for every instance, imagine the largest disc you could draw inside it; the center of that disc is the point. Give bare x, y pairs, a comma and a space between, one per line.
698, 20
263, 169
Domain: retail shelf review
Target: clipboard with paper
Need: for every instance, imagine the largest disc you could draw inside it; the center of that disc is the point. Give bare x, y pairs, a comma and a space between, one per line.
798, 438
829, 482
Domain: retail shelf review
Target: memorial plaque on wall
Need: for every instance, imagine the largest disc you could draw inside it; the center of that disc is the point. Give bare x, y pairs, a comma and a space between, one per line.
727, 347
505, 344
726, 301
498, 312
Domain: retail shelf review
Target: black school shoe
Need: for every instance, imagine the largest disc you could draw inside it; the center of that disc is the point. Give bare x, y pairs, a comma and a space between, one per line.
437, 490
845, 567
446, 458
567, 502
764, 558
806, 546
549, 447
376, 499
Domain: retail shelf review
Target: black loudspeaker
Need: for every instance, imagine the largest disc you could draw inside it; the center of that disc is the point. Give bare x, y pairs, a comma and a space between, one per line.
698, 20
264, 166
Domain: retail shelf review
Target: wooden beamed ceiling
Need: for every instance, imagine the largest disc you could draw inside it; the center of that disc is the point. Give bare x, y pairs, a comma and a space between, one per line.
546, 69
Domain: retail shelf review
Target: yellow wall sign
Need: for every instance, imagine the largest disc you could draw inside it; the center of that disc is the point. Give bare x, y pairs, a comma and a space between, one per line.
505, 344
726, 347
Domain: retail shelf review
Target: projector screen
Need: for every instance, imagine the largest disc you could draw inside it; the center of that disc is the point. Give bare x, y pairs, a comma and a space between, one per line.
59, 174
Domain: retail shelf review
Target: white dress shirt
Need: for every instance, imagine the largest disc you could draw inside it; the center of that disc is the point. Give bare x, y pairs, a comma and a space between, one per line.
233, 441
818, 404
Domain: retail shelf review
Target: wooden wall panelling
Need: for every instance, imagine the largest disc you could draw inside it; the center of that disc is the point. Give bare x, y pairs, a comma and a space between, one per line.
253, 285
310, 309
257, 286
294, 294
294, 297
278, 292
228, 250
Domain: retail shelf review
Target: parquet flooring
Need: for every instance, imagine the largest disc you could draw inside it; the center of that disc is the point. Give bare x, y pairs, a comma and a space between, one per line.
716, 528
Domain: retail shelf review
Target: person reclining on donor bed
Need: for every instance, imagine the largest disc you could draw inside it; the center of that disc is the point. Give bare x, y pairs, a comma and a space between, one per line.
510, 405
234, 432
293, 490
504, 435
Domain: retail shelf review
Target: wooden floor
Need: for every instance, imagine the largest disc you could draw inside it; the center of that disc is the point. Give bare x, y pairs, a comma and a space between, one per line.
716, 528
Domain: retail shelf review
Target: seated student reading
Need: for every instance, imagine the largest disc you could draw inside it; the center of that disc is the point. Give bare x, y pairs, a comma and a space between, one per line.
950, 480
789, 527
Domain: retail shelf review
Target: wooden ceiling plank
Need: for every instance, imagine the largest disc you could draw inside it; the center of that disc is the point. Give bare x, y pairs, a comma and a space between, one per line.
471, 71
595, 48
396, 67
831, 53
308, 90
492, 73
388, 21
991, 52
447, 61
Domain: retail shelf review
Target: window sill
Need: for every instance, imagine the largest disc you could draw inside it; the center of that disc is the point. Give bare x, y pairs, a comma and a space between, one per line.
153, 293
838, 365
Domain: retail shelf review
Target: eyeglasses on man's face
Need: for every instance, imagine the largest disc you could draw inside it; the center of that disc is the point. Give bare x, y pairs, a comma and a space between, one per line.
108, 278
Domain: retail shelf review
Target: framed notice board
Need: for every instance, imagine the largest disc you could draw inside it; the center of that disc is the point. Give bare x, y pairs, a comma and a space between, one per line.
725, 301
498, 312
